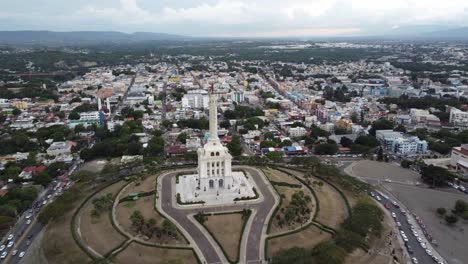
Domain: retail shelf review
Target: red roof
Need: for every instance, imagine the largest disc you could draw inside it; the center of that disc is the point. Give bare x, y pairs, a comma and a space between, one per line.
35, 170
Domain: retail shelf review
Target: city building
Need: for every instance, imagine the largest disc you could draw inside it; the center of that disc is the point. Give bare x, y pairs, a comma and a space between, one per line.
297, 131
59, 148
398, 143
195, 99
87, 119
459, 158
458, 118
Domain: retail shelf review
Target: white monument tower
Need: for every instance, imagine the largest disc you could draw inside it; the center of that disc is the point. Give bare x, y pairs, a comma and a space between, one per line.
214, 160
214, 181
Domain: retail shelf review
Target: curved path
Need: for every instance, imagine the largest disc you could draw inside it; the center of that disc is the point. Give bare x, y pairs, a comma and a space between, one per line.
253, 239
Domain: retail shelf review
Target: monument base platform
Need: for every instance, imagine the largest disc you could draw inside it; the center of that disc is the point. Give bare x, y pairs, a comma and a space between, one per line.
189, 191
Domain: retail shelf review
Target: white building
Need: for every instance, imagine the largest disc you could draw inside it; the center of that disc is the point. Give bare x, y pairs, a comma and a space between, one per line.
88, 118
59, 148
459, 158
397, 143
458, 118
195, 99
297, 131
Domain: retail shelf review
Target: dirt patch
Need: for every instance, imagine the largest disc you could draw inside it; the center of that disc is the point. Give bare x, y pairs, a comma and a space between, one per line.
279, 176
98, 232
58, 244
307, 239
137, 253
227, 230
143, 184
286, 194
333, 210
146, 206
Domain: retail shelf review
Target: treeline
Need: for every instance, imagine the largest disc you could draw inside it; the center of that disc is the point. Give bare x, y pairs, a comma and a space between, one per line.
117, 143
241, 111
404, 102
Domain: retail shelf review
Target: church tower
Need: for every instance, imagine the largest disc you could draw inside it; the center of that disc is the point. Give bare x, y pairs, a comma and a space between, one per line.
214, 160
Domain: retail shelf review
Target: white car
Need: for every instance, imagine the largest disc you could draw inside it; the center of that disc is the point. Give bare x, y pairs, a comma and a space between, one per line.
393, 215
28, 222
22, 254
28, 216
10, 244
398, 224
14, 252
415, 260
429, 252
378, 198
423, 245
419, 239
4, 255
2, 247
10, 237
44, 202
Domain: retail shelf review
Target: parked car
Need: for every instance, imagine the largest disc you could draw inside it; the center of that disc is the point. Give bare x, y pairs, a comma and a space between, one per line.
2, 247
10, 237
14, 252
4, 254
415, 260
22, 254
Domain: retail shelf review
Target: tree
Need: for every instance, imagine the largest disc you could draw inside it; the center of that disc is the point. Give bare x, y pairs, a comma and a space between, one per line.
275, 156
43, 179
16, 112
368, 141
406, 164
182, 137
451, 219
341, 131
435, 175
74, 115
328, 253
137, 219
441, 211
268, 144
155, 146
235, 147
346, 142
381, 124
460, 207
380, 156
134, 148
326, 149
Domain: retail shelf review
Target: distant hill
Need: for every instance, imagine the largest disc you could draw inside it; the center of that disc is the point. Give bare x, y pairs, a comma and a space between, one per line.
80, 37
449, 34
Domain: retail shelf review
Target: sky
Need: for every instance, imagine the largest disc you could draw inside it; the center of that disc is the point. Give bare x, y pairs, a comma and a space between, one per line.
234, 18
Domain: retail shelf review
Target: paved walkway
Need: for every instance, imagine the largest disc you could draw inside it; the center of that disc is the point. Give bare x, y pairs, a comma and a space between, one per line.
253, 239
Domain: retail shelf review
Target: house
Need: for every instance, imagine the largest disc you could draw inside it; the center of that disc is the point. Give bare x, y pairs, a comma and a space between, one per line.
175, 150
31, 171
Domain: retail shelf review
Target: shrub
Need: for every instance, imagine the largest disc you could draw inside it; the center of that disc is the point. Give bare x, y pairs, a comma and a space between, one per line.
441, 211
451, 219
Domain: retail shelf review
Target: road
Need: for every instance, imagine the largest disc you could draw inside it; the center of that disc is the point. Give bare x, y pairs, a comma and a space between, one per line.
24, 233
255, 239
419, 253
119, 104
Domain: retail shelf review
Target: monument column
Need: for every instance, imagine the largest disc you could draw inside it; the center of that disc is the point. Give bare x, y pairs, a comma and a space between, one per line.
213, 115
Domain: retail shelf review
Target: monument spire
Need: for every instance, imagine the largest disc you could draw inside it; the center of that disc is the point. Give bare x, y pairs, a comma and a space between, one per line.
213, 114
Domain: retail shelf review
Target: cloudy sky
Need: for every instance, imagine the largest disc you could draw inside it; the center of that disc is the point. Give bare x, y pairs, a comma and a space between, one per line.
233, 18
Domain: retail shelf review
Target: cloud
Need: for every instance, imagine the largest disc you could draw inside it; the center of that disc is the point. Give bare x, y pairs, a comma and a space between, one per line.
238, 17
